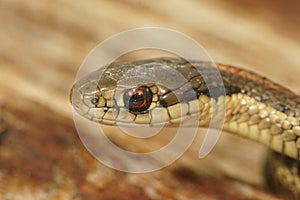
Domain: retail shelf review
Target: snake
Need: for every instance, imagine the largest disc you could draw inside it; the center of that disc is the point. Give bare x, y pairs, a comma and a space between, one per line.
172, 90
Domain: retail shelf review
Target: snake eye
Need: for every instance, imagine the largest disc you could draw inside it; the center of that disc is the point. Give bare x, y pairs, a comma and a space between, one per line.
138, 99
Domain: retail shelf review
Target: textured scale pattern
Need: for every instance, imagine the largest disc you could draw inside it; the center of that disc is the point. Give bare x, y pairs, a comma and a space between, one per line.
256, 108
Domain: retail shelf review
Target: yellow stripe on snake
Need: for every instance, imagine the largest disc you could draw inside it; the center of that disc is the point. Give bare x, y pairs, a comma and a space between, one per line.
256, 108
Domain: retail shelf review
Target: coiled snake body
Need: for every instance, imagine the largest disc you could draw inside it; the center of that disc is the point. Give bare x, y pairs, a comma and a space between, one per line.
256, 108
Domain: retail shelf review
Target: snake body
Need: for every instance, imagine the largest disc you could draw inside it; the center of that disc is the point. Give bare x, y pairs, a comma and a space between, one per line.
255, 107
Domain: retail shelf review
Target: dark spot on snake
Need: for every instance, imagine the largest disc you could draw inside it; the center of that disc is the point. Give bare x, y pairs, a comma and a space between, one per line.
232, 90
282, 107
262, 98
217, 91
168, 99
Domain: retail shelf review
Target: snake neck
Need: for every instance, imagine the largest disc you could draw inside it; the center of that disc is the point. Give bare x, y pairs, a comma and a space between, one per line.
262, 110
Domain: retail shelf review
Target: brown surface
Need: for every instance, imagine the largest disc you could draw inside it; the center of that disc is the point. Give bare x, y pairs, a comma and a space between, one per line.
43, 44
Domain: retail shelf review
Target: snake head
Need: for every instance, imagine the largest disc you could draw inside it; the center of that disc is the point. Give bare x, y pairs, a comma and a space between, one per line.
146, 92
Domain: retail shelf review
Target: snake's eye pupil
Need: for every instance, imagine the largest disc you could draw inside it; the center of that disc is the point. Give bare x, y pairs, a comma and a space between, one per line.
137, 100
95, 100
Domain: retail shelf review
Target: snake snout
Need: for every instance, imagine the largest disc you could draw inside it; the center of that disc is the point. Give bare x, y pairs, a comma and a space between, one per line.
83, 96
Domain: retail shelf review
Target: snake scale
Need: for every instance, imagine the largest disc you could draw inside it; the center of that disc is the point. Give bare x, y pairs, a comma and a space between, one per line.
256, 108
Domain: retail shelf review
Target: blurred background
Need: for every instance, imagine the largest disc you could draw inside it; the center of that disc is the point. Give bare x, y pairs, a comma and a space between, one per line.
43, 44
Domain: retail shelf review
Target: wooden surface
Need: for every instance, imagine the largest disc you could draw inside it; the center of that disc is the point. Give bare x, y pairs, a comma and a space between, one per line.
43, 44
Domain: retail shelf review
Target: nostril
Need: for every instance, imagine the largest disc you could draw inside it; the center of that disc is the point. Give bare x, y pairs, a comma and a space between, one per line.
90, 100
95, 100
